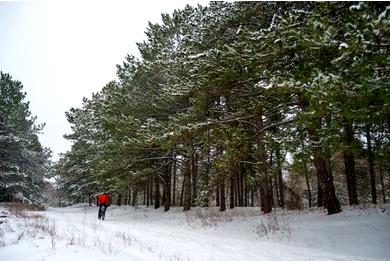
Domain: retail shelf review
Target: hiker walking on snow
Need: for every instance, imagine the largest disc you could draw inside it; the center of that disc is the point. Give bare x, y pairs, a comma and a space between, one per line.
103, 202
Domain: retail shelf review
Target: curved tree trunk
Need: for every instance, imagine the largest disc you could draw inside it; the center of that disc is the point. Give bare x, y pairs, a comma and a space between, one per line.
325, 180
326, 183
324, 177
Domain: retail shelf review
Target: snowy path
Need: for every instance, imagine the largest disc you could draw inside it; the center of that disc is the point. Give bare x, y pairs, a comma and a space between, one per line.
145, 234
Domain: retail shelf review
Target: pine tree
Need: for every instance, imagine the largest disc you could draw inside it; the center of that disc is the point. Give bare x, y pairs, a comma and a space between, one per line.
23, 161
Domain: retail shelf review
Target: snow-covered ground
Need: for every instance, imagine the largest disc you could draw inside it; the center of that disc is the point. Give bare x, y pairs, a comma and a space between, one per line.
140, 234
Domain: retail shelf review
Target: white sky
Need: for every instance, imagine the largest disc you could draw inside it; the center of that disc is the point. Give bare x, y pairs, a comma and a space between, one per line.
64, 51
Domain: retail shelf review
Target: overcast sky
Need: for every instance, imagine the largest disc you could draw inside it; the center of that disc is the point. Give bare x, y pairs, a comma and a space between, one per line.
64, 51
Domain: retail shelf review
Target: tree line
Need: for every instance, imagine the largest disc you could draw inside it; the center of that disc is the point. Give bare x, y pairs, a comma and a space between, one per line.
242, 104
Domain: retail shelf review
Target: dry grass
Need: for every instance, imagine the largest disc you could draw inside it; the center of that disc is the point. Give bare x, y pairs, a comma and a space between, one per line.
31, 225
272, 224
19, 209
200, 217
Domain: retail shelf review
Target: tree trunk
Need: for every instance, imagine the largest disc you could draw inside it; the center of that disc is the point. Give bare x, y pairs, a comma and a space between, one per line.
129, 199
371, 164
271, 187
252, 196
167, 186
187, 185
247, 174
156, 191
147, 193
240, 187
206, 200
181, 193
307, 184
222, 193
119, 200
277, 197
266, 205
245, 192
135, 196
349, 164
151, 201
326, 183
388, 121
217, 199
265, 194
320, 195
206, 175
280, 178
246, 195
174, 179
324, 177
144, 196
194, 174
235, 190
329, 167
271, 180
126, 197
232, 190
382, 183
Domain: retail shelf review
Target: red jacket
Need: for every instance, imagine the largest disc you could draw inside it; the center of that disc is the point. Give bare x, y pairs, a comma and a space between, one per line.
103, 199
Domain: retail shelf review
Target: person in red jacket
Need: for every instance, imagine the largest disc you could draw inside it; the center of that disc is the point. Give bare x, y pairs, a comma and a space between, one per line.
103, 202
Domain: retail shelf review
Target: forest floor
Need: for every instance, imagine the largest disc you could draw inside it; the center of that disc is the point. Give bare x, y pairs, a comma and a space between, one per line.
144, 234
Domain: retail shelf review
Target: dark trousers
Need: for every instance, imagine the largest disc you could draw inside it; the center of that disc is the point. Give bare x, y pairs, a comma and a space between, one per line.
102, 212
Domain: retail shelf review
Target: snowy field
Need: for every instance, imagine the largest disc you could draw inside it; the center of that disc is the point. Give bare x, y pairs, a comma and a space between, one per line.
135, 234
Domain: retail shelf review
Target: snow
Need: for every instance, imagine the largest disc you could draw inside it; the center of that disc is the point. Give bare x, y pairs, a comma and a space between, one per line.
357, 7
139, 233
343, 46
384, 14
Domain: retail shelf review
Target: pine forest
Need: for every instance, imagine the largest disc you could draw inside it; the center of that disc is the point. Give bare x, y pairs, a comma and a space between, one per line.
263, 104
